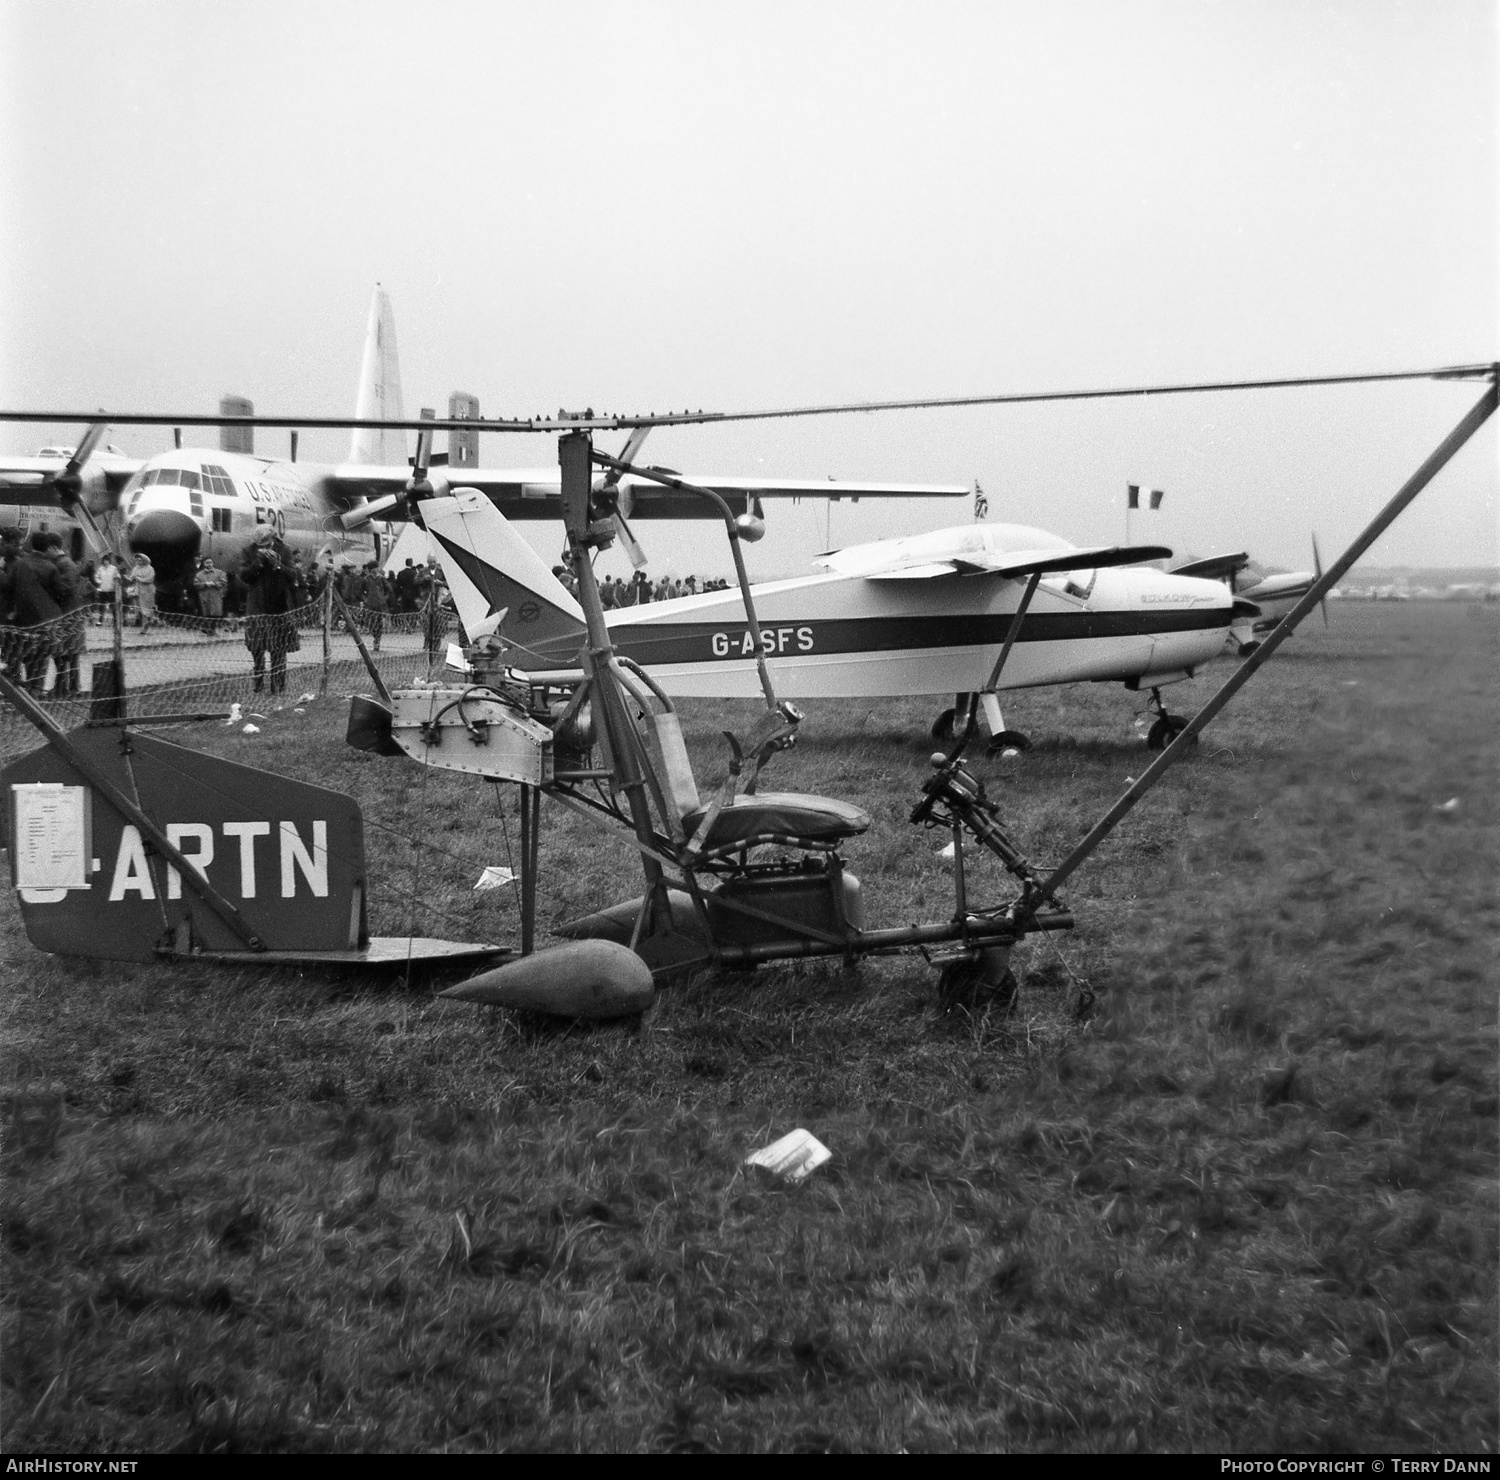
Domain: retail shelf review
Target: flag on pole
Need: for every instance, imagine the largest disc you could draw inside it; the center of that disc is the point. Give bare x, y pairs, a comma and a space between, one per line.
1132, 496
1156, 497
981, 503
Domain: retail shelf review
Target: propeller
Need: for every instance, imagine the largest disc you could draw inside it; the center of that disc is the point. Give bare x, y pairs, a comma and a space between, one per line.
610, 484
1318, 568
418, 486
69, 487
69, 482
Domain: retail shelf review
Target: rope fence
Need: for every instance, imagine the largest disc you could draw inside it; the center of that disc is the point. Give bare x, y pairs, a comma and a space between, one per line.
80, 664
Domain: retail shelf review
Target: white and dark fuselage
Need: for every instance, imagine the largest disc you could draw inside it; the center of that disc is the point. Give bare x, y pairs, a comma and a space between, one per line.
842, 636
915, 616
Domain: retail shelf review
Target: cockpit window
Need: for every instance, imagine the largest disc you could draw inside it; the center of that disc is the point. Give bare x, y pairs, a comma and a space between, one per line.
1079, 584
217, 481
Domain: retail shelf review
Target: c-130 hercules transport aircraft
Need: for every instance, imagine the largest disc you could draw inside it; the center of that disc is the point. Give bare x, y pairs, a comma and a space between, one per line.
189, 502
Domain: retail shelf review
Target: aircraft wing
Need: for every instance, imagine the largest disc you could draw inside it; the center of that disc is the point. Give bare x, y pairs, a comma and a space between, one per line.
1215, 567
536, 493
1014, 564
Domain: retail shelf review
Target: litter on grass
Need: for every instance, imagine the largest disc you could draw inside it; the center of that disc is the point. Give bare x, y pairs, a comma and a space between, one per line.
794, 1157
251, 730
235, 715
494, 877
1451, 805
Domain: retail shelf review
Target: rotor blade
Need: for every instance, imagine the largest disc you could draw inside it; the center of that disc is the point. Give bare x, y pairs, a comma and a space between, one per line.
1318, 567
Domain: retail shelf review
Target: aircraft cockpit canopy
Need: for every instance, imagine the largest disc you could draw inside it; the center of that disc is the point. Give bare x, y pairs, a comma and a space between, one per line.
212, 478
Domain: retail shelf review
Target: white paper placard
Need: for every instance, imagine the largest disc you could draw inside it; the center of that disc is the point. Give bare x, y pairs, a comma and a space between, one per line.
51, 833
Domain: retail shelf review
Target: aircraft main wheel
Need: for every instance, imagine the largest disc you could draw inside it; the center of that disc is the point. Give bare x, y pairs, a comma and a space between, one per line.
1165, 731
1009, 740
942, 726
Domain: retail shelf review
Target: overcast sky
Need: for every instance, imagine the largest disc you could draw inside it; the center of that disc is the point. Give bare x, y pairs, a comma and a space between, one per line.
641, 206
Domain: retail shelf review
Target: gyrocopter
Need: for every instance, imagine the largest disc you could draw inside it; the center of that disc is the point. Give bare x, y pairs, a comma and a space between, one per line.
740, 876
732, 877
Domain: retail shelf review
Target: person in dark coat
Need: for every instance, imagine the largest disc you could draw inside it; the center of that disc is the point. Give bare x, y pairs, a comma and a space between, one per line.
269, 628
406, 587
34, 591
377, 601
71, 636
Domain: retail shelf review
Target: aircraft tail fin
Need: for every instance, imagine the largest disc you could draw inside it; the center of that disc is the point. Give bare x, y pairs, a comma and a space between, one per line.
379, 390
490, 569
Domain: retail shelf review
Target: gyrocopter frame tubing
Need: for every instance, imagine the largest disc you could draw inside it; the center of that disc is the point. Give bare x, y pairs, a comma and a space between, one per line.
575, 455
573, 458
1419, 480
667, 480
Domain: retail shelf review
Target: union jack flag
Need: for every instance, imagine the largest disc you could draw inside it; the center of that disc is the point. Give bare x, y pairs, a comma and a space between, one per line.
981, 503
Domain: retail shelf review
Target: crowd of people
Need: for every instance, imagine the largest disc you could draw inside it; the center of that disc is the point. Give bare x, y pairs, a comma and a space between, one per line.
640, 588
43, 588
47, 600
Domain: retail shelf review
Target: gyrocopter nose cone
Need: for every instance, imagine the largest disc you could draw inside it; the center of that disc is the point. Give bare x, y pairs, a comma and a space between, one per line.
750, 528
168, 538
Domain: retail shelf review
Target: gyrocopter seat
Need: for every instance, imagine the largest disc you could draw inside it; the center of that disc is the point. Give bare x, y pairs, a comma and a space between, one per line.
782, 818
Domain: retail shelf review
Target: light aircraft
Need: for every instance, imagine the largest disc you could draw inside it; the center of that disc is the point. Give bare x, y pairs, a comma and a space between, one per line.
1259, 602
926, 614
180, 505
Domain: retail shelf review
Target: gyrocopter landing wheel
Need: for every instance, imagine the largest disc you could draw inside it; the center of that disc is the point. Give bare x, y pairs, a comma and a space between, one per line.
1009, 740
942, 726
983, 979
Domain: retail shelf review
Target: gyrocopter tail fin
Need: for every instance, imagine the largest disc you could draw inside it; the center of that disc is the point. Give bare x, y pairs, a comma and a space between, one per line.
499, 583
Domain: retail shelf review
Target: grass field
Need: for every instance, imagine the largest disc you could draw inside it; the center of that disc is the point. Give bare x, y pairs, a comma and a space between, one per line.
1249, 1203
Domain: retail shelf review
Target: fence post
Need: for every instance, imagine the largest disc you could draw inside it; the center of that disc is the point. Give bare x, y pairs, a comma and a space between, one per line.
430, 628
327, 633
117, 608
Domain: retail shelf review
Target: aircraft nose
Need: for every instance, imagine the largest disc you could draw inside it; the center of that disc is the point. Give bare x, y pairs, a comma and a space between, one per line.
169, 539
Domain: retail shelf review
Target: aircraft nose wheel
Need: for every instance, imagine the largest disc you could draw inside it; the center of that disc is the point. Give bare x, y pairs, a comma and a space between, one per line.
1168, 726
